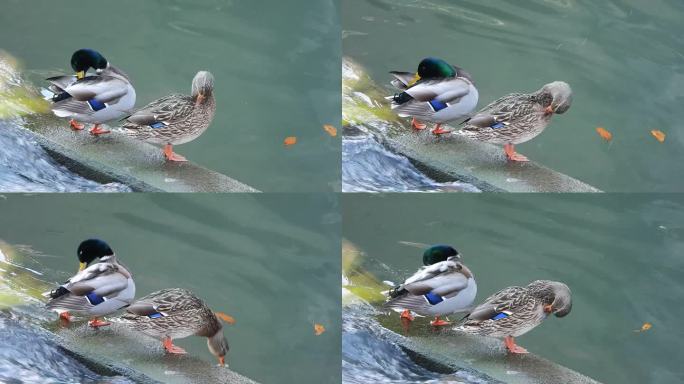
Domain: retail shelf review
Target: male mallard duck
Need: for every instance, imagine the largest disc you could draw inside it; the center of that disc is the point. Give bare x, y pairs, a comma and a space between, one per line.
97, 289
176, 313
442, 287
175, 119
105, 96
438, 92
518, 117
514, 311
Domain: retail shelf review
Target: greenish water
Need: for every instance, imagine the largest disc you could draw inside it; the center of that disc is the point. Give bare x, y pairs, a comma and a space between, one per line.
620, 255
623, 58
268, 260
276, 67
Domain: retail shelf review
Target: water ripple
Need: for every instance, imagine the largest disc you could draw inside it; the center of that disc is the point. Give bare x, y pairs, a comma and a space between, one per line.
26, 167
369, 167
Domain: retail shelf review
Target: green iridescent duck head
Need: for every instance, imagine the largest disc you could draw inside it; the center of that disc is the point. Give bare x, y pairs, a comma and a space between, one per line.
92, 249
84, 59
438, 253
434, 68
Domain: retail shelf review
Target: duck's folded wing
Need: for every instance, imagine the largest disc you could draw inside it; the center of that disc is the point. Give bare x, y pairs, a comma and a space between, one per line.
431, 271
69, 302
446, 285
70, 106
103, 286
102, 279
505, 300
422, 295
59, 83
402, 79
445, 91
104, 89
142, 309
424, 100
85, 295
161, 110
165, 300
498, 111
88, 288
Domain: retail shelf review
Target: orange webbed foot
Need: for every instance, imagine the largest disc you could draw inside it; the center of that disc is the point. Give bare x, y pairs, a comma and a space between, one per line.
172, 349
439, 130
512, 347
417, 124
512, 155
75, 125
437, 322
97, 323
406, 314
96, 130
170, 155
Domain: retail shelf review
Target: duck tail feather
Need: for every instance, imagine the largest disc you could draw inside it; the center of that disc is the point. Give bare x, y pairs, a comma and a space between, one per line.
416, 109
69, 303
413, 303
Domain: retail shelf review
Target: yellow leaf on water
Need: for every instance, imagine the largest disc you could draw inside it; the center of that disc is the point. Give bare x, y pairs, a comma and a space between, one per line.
290, 140
318, 329
644, 327
332, 131
659, 135
227, 318
604, 133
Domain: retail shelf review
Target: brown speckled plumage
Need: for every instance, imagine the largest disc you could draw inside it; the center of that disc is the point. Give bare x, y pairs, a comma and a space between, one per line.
184, 118
520, 117
184, 315
524, 307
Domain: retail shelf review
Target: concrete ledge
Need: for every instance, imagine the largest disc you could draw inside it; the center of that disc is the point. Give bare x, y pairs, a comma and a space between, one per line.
107, 368
481, 165
118, 343
449, 349
446, 158
91, 171
35, 342
114, 157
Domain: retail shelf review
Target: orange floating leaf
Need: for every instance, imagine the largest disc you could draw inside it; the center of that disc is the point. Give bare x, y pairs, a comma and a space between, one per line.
644, 327
605, 135
318, 329
332, 131
659, 135
227, 318
290, 140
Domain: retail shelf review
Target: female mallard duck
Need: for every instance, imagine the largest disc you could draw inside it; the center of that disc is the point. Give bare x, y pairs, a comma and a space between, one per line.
442, 287
107, 95
514, 311
518, 117
175, 119
176, 313
438, 92
97, 289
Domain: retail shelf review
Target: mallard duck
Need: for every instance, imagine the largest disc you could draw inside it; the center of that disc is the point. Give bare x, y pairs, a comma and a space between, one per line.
106, 95
514, 311
98, 289
444, 285
175, 119
176, 313
438, 92
518, 117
